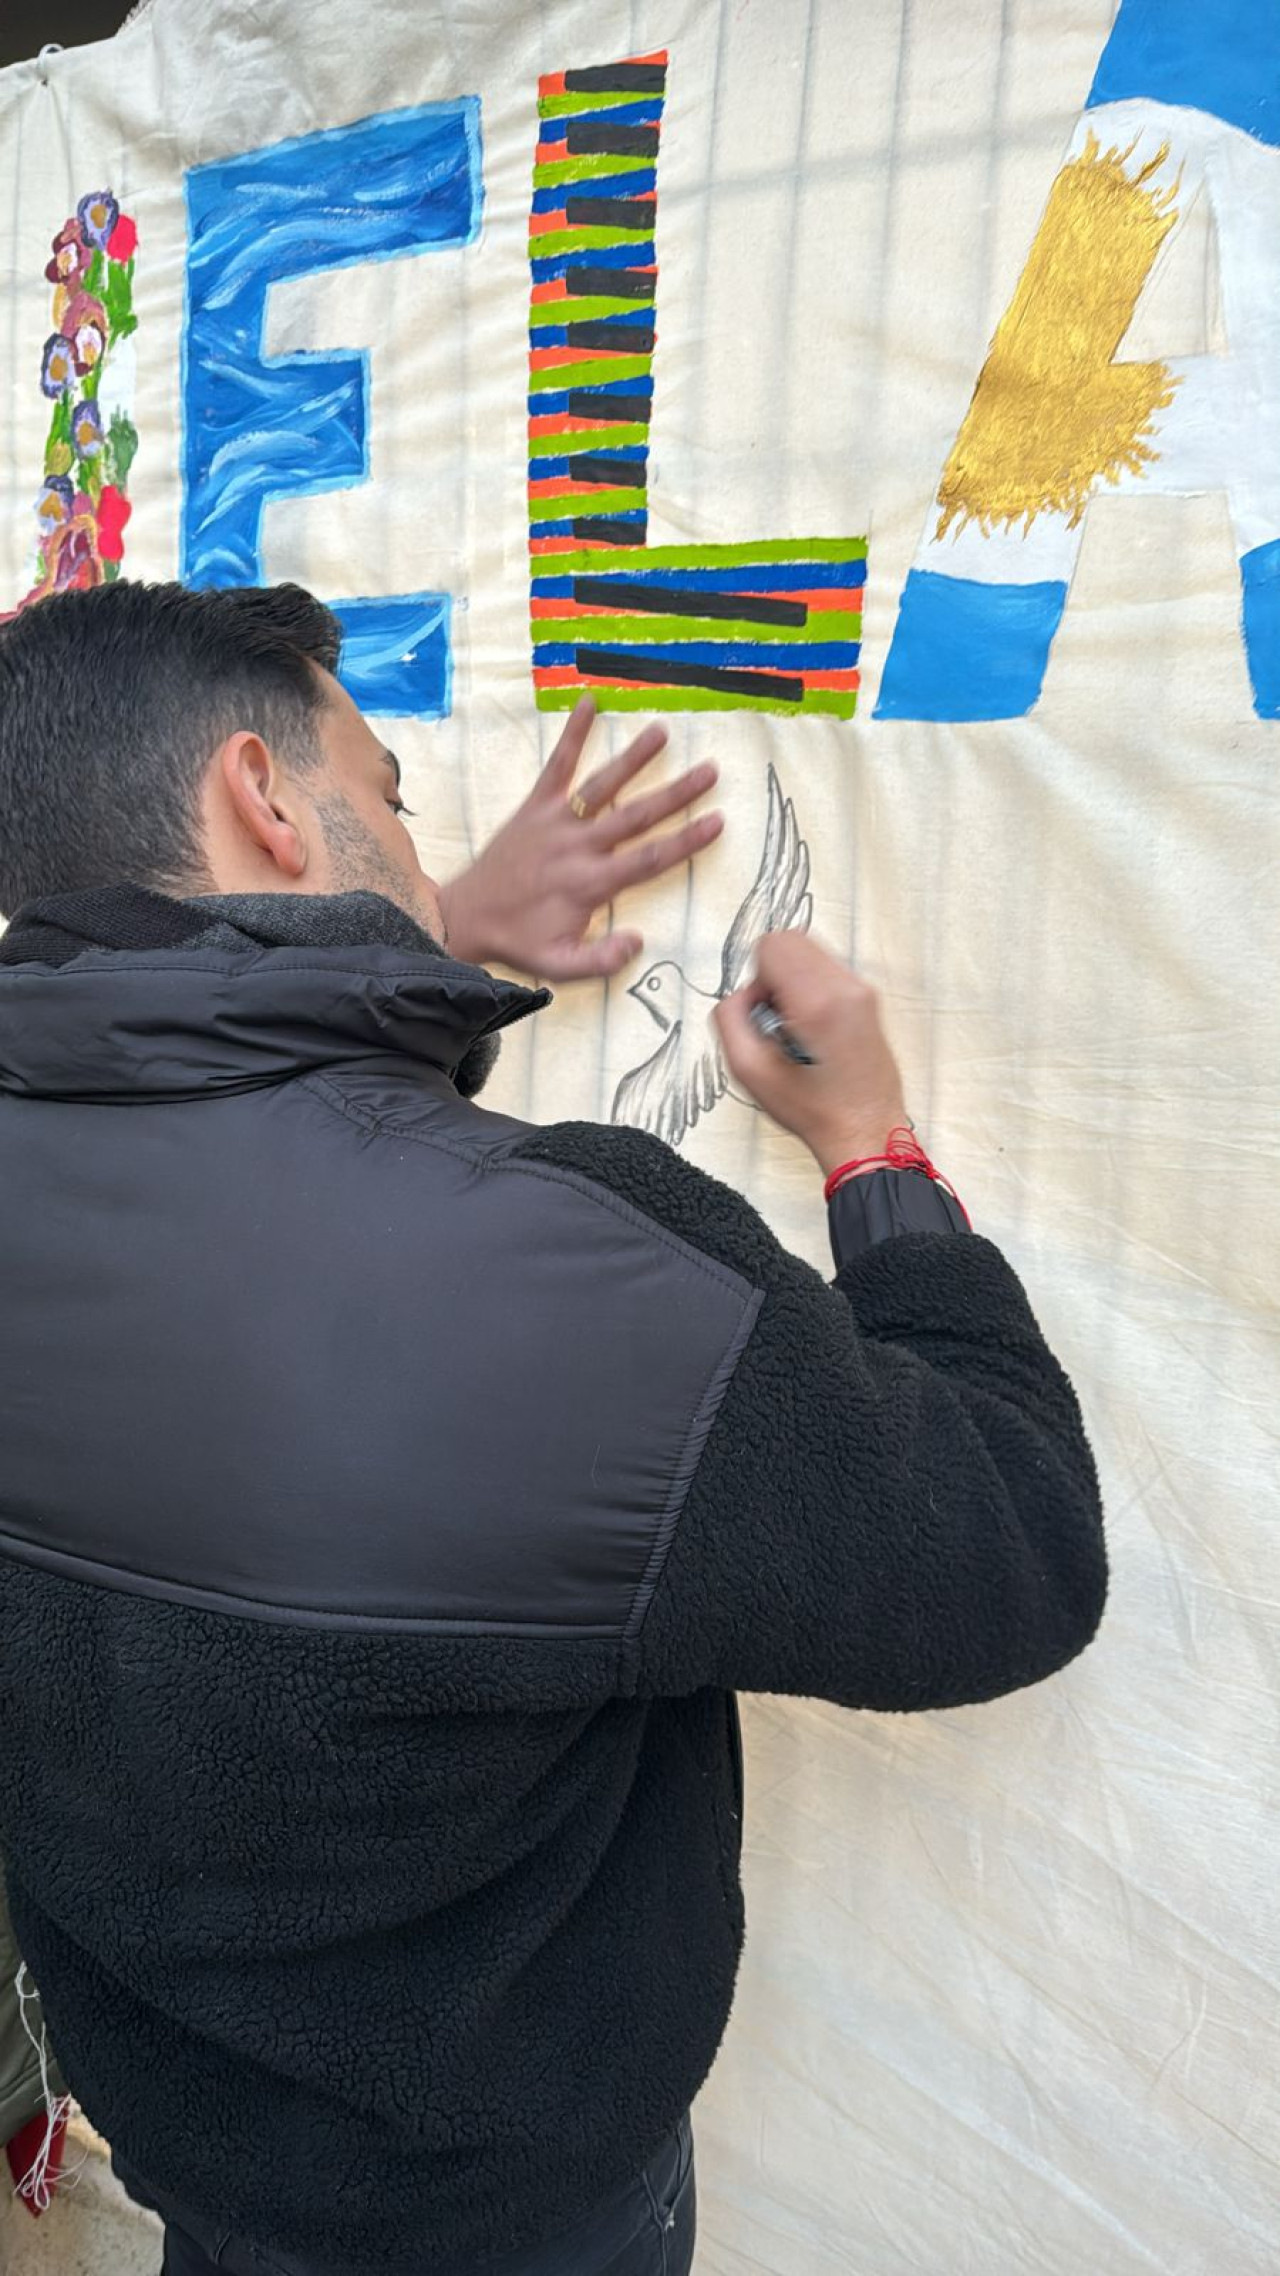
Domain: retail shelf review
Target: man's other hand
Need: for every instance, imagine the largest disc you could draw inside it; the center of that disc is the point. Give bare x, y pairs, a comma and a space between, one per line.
529, 898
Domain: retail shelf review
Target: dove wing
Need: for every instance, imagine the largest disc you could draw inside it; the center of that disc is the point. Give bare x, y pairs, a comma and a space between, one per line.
669, 1092
779, 900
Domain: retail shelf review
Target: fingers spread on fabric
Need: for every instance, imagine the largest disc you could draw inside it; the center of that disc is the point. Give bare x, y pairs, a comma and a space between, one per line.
639, 815
661, 854
562, 765
603, 786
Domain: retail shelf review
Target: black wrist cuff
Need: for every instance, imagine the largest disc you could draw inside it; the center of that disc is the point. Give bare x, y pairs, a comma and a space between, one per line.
882, 1203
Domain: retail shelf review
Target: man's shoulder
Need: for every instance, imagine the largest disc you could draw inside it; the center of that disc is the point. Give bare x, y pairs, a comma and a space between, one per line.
577, 1174
678, 1199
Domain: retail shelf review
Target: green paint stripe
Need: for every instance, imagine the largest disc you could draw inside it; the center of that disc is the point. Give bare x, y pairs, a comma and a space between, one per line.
542, 312
591, 167
556, 241
829, 702
713, 556
567, 106
556, 505
600, 630
556, 376
615, 436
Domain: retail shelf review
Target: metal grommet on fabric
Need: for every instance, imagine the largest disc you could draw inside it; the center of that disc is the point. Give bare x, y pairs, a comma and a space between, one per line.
51, 47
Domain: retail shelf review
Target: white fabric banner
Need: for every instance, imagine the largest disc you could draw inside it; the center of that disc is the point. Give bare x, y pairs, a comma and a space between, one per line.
1010, 1995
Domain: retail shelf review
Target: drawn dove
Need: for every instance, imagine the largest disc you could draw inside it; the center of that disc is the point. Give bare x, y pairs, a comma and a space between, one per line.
686, 1074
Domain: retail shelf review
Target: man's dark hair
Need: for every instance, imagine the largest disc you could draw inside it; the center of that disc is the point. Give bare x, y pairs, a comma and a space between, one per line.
112, 704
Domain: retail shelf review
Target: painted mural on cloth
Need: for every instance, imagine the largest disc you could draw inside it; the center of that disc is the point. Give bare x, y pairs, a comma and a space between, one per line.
773, 627
86, 372
1185, 105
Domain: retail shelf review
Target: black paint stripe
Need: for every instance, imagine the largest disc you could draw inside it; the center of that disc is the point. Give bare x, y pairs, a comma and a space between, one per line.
619, 474
677, 600
624, 664
609, 284
588, 138
617, 79
597, 529
592, 403
625, 339
610, 213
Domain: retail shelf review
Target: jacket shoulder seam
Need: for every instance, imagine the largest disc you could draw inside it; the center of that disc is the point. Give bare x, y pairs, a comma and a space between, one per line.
512, 1162
701, 1423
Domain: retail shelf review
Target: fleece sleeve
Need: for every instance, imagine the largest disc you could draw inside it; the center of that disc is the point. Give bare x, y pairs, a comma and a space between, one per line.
896, 1506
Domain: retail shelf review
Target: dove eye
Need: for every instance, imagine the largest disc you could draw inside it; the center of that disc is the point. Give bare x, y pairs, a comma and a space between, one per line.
654, 987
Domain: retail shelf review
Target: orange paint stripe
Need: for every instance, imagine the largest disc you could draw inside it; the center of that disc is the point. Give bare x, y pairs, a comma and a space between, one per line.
545, 359
559, 486
824, 597
560, 423
599, 617
560, 545
541, 224
567, 676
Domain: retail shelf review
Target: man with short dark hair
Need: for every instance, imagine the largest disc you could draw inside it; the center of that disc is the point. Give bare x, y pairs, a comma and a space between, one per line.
393, 1496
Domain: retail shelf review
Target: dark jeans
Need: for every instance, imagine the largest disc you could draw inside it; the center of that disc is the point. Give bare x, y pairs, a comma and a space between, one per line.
646, 2230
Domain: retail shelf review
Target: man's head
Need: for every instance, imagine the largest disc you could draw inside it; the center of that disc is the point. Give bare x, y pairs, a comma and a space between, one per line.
192, 742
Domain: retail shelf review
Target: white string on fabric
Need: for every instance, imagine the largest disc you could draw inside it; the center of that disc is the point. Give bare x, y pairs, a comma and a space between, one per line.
36, 2186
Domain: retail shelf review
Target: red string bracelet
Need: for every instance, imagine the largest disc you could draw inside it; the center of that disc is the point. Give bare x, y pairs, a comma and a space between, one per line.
902, 1151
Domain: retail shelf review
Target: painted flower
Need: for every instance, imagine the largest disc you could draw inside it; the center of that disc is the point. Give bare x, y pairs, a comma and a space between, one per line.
98, 215
122, 244
89, 343
80, 307
86, 430
70, 255
53, 506
114, 510
59, 366
85, 326
77, 565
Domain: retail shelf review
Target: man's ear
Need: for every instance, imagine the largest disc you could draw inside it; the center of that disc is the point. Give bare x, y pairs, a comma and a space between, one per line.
260, 802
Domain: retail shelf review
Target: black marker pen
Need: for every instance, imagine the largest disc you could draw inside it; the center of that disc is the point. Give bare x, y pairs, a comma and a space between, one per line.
769, 1023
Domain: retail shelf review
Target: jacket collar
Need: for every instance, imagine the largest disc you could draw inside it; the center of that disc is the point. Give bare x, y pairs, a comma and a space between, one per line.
143, 997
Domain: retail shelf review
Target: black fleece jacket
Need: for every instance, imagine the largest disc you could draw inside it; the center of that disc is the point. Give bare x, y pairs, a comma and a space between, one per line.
392, 1499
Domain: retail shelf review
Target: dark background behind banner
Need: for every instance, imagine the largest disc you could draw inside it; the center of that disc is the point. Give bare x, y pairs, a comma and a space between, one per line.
28, 25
